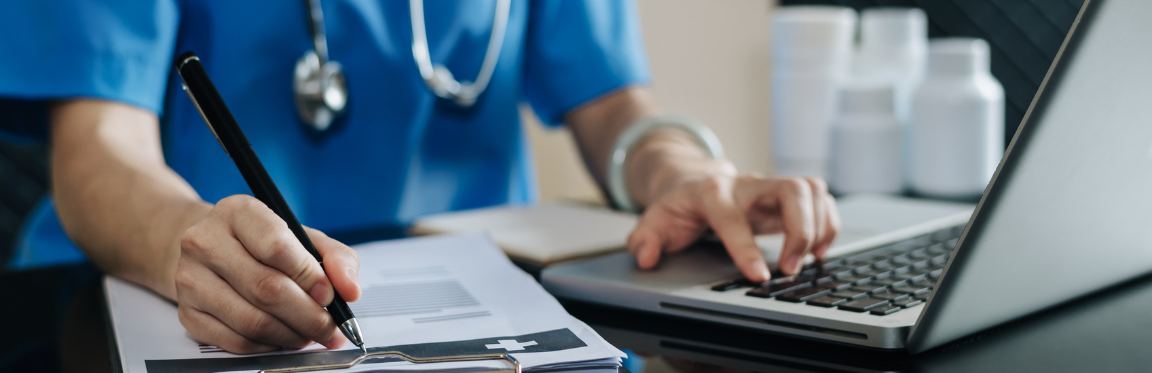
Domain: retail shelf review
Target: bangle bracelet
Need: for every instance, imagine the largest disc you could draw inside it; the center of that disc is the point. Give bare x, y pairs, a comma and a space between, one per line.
617, 185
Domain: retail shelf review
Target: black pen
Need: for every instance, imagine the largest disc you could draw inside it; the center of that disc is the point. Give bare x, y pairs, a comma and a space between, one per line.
211, 106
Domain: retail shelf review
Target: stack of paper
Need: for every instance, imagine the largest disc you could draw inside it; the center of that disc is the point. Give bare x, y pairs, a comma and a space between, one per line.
437, 296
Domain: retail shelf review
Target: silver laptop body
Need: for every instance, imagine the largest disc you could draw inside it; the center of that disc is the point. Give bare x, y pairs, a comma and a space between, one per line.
1068, 212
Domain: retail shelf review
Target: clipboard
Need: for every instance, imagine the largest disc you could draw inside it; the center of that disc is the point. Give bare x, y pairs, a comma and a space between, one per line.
397, 354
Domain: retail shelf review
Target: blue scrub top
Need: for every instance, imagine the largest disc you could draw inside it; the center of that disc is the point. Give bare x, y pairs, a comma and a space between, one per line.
397, 154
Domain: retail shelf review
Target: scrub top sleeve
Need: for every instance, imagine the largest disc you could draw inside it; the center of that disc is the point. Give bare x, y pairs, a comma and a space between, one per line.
576, 51
117, 50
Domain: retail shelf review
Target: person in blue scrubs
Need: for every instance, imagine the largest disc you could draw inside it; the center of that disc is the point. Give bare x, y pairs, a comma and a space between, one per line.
144, 191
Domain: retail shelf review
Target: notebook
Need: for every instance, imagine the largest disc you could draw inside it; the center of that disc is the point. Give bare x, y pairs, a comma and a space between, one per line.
541, 235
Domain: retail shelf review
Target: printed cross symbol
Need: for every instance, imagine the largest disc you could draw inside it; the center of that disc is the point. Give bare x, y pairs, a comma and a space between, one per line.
510, 345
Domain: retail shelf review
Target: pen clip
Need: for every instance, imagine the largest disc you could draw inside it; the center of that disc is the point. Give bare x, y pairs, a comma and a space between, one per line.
184, 86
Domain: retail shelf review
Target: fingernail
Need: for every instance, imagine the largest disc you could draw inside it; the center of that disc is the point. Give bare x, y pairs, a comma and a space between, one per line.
785, 264
354, 276
796, 264
335, 342
762, 268
319, 293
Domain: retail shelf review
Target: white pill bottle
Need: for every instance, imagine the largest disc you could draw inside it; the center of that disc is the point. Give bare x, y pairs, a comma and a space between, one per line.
866, 149
956, 136
811, 58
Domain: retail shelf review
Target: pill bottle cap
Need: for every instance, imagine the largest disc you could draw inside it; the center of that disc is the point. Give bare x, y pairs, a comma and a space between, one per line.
958, 56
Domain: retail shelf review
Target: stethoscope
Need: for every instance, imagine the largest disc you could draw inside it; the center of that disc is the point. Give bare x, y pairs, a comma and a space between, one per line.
321, 90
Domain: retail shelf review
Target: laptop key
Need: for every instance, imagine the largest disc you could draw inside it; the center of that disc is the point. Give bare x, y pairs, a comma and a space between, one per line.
940, 260
869, 287
890, 295
803, 295
885, 310
827, 301
907, 303
890, 282
876, 274
901, 259
836, 272
730, 285
834, 285
912, 289
918, 254
777, 289
788, 279
936, 274
857, 259
855, 280
938, 249
883, 264
734, 284
830, 264
849, 294
912, 276
951, 244
863, 304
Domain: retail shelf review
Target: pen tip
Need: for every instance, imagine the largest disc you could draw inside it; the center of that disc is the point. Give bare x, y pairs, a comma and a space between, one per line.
364, 349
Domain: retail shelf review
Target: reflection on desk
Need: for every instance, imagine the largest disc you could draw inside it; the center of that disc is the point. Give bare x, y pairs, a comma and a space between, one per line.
1104, 332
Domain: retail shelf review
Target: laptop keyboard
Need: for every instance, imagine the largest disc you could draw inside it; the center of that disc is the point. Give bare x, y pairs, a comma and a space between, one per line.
881, 281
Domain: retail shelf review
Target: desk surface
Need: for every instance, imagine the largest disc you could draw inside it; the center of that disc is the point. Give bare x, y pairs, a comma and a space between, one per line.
1110, 331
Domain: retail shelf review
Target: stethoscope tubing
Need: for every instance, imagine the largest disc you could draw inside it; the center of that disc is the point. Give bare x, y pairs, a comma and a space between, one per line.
319, 82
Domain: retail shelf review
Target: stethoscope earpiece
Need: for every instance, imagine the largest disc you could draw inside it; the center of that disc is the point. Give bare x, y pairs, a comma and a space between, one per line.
321, 90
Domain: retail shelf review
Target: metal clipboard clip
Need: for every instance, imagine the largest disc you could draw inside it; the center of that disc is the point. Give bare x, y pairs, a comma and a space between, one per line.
405, 357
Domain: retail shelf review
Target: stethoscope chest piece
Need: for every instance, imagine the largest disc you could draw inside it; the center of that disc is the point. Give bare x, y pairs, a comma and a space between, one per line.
320, 90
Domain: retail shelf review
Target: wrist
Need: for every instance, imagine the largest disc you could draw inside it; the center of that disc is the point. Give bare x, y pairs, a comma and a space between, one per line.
665, 147
163, 279
667, 159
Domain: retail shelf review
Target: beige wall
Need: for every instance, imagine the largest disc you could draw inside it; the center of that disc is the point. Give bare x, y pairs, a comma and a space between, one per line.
709, 60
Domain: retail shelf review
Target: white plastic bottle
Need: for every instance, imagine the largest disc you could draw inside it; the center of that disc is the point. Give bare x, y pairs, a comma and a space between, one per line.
811, 58
893, 48
956, 138
866, 141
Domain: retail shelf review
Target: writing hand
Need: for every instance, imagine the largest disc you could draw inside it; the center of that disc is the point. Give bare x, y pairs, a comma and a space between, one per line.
244, 282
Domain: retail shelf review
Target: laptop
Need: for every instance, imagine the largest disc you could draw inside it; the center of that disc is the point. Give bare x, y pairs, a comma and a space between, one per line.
1068, 212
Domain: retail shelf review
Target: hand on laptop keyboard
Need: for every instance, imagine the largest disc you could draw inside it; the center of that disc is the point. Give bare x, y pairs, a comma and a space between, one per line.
736, 208
882, 281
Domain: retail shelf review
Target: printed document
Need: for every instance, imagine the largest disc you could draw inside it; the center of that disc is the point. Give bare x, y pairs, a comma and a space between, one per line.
434, 296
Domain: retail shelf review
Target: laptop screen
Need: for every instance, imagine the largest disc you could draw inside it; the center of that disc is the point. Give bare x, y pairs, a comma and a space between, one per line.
1070, 209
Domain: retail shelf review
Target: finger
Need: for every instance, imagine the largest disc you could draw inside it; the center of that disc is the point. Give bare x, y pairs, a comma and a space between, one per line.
832, 227
730, 224
271, 291
269, 240
818, 189
341, 264
208, 330
645, 245
264, 287
204, 291
793, 198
